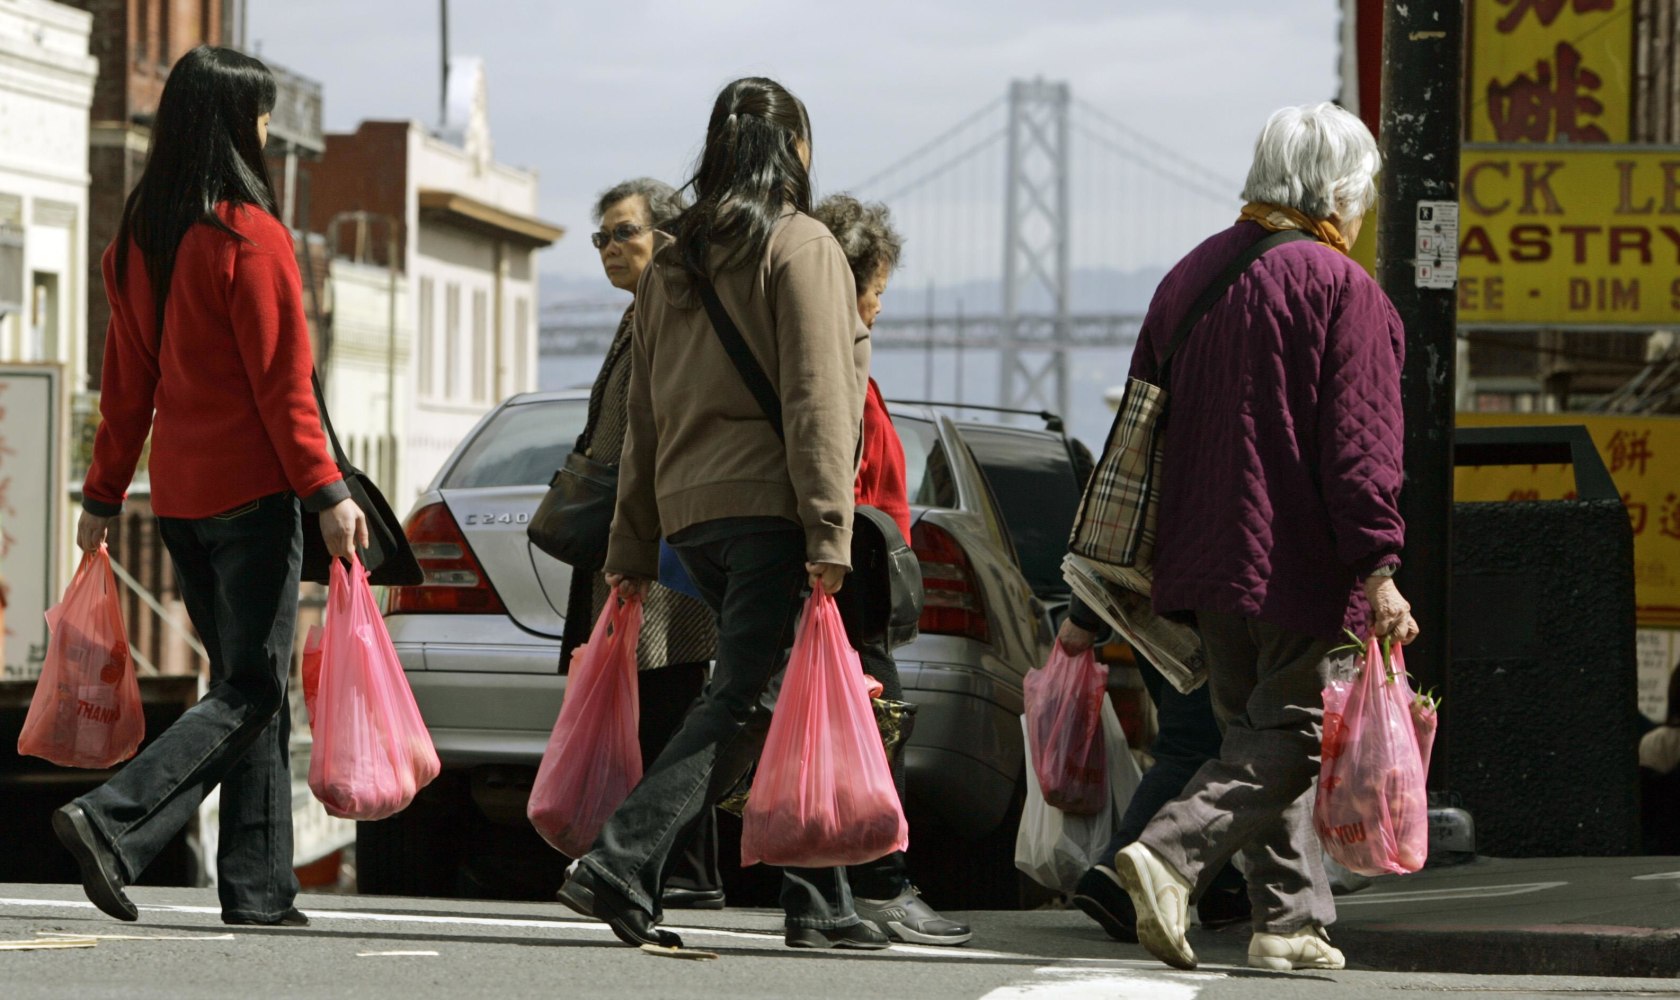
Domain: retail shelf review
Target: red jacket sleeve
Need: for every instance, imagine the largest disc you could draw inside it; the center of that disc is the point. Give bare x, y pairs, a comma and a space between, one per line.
265, 306
127, 382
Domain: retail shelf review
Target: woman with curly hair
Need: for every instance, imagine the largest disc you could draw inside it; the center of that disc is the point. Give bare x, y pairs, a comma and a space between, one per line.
882, 890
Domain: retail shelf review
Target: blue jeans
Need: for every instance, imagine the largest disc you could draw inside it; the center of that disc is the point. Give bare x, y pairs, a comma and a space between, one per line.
751, 571
238, 575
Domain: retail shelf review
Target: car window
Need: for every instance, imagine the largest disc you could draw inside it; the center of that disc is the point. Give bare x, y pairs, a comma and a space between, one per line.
1037, 491
521, 445
927, 468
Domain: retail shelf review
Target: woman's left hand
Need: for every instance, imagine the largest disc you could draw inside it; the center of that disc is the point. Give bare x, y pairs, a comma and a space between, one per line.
828, 576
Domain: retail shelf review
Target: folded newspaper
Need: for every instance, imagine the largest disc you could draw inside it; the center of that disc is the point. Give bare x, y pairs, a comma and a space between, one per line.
1112, 592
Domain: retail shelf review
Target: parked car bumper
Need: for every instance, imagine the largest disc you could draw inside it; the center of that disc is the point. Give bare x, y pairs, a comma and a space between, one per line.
964, 758
486, 698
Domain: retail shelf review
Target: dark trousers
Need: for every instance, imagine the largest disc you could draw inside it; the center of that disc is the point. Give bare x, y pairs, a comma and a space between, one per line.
888, 876
665, 695
1257, 795
1187, 735
238, 574
753, 578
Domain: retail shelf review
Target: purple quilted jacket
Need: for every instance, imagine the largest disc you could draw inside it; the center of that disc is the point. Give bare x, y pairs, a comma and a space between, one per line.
1283, 438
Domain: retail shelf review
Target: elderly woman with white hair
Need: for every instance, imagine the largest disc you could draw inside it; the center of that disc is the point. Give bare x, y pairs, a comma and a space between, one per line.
1278, 526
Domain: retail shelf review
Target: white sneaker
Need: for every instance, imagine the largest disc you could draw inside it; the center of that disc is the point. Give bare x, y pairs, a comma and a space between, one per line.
1162, 899
1307, 948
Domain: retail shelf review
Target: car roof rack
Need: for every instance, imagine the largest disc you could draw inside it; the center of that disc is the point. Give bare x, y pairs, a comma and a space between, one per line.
1052, 422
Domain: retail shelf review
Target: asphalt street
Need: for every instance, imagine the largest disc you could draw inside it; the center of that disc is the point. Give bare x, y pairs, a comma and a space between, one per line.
407, 948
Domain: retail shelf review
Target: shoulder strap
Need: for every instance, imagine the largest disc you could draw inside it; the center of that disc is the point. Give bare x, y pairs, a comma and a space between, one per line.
326, 423
1217, 290
741, 355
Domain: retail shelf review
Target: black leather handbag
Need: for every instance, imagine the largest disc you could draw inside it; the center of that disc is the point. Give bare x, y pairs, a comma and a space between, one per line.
389, 559
883, 595
572, 522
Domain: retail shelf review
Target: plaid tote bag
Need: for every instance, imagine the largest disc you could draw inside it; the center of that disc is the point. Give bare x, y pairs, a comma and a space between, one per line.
1115, 525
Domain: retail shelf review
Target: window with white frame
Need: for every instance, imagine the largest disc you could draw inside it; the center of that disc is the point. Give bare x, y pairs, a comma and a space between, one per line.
451, 339
425, 359
480, 346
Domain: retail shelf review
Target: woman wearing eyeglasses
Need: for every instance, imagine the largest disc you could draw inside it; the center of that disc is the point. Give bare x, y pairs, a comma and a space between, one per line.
678, 638
754, 520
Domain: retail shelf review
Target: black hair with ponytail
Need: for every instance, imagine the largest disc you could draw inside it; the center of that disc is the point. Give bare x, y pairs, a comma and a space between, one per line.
749, 175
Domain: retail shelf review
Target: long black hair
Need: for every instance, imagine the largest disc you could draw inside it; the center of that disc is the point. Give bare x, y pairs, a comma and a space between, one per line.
748, 176
204, 151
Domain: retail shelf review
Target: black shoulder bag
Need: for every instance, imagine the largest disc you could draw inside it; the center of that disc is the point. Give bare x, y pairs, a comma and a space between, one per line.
389, 560
883, 598
575, 516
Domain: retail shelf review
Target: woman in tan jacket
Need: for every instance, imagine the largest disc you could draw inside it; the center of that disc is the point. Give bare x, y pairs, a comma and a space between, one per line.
756, 512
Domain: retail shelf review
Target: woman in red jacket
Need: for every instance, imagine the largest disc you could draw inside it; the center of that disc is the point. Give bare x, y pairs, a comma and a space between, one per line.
881, 889
208, 352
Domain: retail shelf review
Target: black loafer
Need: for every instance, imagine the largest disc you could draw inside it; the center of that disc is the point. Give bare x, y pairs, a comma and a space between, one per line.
99, 866
629, 922
293, 917
674, 898
860, 936
1100, 896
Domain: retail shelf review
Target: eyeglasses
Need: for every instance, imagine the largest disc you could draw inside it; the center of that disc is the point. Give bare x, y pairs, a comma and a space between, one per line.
624, 232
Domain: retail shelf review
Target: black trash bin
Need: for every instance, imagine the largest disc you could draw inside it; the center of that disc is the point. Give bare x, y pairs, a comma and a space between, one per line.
1539, 725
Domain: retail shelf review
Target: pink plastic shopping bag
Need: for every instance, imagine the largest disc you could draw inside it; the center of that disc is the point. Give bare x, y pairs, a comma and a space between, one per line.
1372, 810
593, 758
1064, 727
372, 752
823, 795
311, 669
86, 709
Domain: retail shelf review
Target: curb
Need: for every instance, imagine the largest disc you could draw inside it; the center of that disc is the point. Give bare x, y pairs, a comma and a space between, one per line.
1541, 950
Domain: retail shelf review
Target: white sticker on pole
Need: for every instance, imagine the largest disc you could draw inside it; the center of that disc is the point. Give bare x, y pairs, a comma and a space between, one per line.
1437, 244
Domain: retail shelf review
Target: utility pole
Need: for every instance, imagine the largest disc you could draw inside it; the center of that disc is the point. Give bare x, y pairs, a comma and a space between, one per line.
443, 58
1417, 264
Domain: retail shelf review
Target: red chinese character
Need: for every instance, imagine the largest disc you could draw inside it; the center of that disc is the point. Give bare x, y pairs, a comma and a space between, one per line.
1628, 450
1669, 524
1636, 513
1546, 10
1538, 109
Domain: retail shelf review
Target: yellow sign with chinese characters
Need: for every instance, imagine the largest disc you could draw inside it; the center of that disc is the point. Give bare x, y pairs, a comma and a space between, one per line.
1643, 456
1550, 70
1553, 236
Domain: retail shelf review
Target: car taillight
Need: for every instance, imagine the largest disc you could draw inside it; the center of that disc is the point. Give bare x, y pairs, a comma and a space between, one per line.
951, 603
455, 582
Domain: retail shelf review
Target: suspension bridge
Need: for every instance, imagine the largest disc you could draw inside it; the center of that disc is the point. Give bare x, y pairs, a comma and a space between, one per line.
1034, 226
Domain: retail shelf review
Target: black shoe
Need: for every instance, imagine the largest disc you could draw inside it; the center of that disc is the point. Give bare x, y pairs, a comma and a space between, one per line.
674, 898
629, 922
293, 917
1101, 897
1221, 907
99, 866
860, 936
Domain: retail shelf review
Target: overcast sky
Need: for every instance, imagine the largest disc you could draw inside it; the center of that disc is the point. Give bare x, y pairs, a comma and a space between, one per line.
589, 93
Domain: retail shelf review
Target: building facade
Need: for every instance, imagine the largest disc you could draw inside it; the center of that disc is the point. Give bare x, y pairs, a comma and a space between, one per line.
46, 88
466, 238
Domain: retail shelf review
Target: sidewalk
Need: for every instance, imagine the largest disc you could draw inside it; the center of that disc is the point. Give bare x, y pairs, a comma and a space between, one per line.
1533, 916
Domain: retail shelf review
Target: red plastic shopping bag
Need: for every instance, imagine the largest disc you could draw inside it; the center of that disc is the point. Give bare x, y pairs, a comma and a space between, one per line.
1372, 810
372, 752
1063, 705
823, 795
593, 758
311, 669
86, 709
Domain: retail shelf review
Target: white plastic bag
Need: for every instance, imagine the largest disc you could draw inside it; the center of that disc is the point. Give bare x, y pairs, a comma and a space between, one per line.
1056, 849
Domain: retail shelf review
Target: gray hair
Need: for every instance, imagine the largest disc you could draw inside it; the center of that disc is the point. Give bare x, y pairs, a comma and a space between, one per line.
663, 202
1318, 159
865, 232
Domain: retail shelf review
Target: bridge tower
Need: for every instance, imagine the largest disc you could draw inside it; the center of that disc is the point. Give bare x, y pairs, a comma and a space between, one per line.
1036, 240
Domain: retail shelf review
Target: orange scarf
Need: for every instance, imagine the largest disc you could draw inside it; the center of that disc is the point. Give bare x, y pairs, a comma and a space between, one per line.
1280, 217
